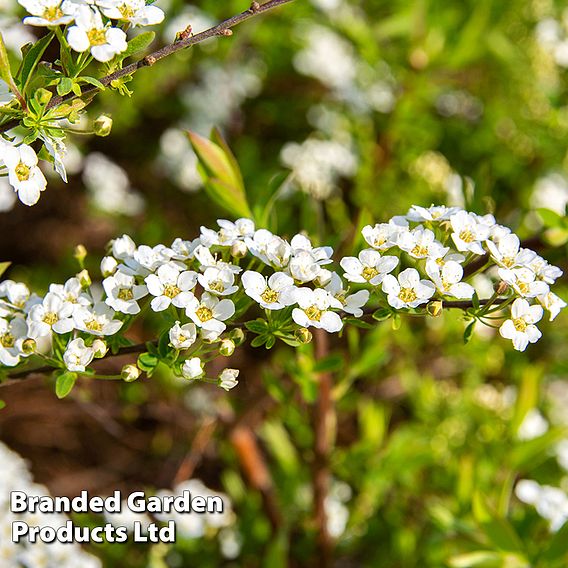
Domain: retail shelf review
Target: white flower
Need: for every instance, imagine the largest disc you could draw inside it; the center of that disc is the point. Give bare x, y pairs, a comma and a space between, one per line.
77, 355
209, 314
545, 271
219, 281
352, 303
134, 11
322, 255
123, 248
184, 250
447, 279
183, 336
520, 328
12, 334
171, 286
271, 294
148, 259
314, 309
508, 252
109, 265
228, 379
432, 213
421, 243
469, 231
269, 248
98, 320
207, 260
192, 368
552, 303
524, 282
303, 267
71, 292
23, 172
48, 12
370, 267
89, 33
408, 291
17, 293
123, 293
53, 313
229, 233
385, 235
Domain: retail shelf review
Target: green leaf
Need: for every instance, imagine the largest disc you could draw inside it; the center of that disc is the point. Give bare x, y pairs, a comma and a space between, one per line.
558, 548
137, 44
64, 384
5, 71
92, 81
475, 300
148, 362
4, 266
358, 323
259, 340
64, 86
382, 314
330, 363
2, 404
32, 58
468, 332
221, 176
257, 326
550, 218
270, 341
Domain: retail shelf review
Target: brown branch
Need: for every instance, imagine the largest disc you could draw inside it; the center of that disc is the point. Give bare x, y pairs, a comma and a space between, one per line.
184, 41
324, 430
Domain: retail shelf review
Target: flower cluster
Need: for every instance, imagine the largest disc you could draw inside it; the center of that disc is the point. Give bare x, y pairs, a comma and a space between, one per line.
204, 287
15, 476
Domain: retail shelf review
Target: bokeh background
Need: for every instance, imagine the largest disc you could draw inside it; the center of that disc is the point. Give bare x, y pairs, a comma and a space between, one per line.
342, 112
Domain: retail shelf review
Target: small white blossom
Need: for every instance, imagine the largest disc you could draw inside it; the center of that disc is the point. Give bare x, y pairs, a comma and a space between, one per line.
123, 293
352, 303
218, 281
89, 33
12, 334
520, 328
421, 243
207, 260
552, 304
209, 313
71, 291
432, 213
369, 267
23, 172
134, 11
97, 320
314, 309
447, 279
524, 282
469, 232
408, 291
183, 336
192, 368
384, 236
228, 379
508, 252
544, 271
78, 356
272, 294
53, 313
109, 265
48, 12
171, 286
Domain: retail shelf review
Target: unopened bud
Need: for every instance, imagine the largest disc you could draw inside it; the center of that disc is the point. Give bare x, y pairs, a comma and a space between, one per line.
239, 249
29, 345
84, 278
130, 373
303, 335
238, 336
100, 348
227, 347
80, 253
102, 125
435, 308
501, 287
108, 266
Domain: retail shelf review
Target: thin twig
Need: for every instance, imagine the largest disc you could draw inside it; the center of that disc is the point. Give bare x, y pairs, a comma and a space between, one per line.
323, 424
184, 41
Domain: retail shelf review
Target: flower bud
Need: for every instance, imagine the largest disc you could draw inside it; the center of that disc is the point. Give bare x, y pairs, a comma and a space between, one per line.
239, 249
228, 379
130, 373
303, 335
238, 336
501, 287
80, 253
99, 348
108, 266
435, 308
29, 346
84, 278
192, 368
102, 125
227, 347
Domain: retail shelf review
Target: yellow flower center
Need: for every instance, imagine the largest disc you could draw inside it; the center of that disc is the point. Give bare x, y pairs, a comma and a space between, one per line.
508, 261
50, 318
520, 324
171, 291
204, 313
523, 287
22, 172
97, 36
467, 236
52, 13
94, 325
182, 338
369, 273
446, 285
314, 313
126, 11
407, 295
419, 251
380, 241
125, 294
217, 286
7, 340
269, 296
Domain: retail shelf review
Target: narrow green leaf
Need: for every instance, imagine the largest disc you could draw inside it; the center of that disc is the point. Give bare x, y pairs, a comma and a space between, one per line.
382, 314
137, 44
468, 332
5, 71
32, 59
64, 384
257, 326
